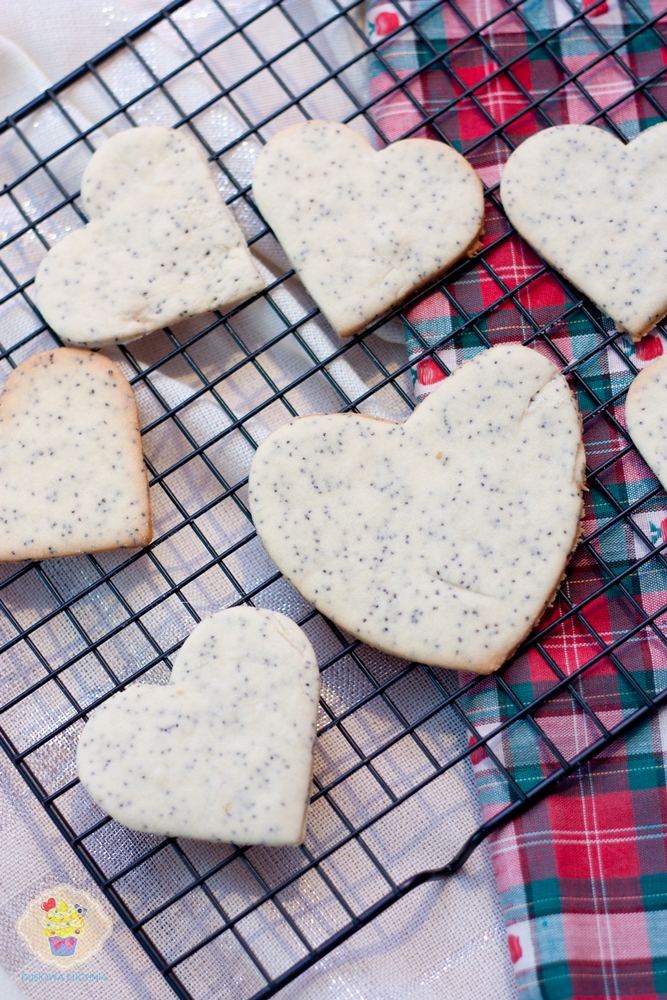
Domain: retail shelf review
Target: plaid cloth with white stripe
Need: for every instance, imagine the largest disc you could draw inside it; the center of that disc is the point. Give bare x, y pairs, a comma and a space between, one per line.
583, 875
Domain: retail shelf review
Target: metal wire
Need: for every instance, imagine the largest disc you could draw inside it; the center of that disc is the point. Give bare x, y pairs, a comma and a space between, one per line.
414, 701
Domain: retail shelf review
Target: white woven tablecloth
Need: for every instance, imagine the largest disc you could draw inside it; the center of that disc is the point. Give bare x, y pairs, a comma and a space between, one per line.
441, 942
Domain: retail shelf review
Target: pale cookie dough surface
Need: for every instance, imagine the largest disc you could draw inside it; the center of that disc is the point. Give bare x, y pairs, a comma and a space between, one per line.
441, 539
646, 416
596, 210
161, 244
222, 752
72, 475
364, 229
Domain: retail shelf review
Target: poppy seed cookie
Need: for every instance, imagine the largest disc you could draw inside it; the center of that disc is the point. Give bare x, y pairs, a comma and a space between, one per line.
224, 751
441, 539
646, 416
365, 229
72, 475
596, 210
161, 244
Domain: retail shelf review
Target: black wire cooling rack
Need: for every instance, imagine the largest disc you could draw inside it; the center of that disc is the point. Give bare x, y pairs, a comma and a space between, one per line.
74, 631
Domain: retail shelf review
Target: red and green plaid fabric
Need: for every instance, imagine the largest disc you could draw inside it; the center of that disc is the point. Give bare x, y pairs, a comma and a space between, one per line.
583, 875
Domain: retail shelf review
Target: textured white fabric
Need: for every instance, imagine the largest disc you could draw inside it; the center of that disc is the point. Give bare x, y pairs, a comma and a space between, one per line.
444, 942
8, 988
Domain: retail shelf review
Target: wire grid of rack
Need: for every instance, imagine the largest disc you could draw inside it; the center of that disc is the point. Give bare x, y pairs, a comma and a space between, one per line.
58, 651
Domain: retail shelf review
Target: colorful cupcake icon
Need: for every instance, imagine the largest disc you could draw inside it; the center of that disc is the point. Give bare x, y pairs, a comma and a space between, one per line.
63, 925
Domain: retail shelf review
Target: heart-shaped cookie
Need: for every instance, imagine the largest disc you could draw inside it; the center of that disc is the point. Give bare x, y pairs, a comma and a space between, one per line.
224, 751
596, 210
161, 244
72, 475
441, 539
365, 229
646, 416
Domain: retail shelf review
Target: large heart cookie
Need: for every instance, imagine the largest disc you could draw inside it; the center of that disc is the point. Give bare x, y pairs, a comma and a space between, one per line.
72, 475
364, 229
161, 244
441, 539
596, 210
646, 416
223, 752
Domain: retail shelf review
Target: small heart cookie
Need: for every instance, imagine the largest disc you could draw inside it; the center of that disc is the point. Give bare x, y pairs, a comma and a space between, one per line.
72, 474
646, 416
441, 539
365, 229
161, 244
596, 210
224, 751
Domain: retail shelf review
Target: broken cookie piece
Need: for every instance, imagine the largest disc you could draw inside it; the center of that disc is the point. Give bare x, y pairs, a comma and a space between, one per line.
72, 475
365, 229
224, 751
161, 244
